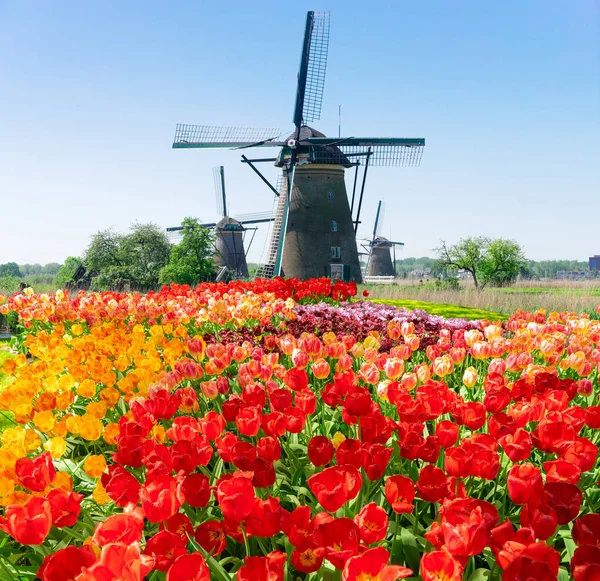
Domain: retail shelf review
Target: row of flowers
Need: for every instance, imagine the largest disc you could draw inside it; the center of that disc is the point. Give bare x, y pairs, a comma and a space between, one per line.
226, 433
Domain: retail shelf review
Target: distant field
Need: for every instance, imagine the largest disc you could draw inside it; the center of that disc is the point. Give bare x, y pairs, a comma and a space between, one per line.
443, 310
552, 296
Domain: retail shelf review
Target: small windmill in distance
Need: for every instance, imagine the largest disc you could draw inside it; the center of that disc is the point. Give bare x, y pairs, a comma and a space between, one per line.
230, 233
314, 229
380, 261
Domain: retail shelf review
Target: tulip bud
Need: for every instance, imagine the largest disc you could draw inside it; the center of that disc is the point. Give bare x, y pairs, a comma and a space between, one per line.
470, 376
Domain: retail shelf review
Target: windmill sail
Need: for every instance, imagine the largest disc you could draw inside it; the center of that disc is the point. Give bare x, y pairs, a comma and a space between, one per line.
219, 177
210, 137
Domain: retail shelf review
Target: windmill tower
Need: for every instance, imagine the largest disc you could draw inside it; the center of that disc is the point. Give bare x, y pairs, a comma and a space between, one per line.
230, 254
314, 230
380, 259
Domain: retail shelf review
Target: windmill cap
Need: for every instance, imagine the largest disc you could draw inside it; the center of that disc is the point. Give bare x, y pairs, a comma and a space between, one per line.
319, 154
228, 223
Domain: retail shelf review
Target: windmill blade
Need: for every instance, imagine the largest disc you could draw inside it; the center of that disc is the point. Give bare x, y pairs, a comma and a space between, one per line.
256, 217
181, 228
219, 177
313, 66
385, 151
380, 216
376, 225
214, 137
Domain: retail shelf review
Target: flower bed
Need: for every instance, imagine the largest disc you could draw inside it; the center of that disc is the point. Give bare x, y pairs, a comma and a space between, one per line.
229, 433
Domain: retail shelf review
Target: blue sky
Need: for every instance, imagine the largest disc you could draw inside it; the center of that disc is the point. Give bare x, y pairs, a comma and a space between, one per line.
507, 95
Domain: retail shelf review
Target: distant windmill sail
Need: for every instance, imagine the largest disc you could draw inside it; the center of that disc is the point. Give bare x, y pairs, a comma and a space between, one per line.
314, 227
219, 177
380, 260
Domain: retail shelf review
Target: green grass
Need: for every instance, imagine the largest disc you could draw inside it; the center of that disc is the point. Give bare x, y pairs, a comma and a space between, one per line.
444, 310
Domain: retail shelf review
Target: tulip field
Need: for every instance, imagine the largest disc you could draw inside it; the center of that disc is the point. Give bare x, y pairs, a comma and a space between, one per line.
289, 430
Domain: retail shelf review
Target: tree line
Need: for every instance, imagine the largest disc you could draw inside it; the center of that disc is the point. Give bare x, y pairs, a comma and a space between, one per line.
141, 259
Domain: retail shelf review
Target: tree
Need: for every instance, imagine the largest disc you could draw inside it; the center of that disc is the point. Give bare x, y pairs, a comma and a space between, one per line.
489, 261
145, 250
50, 268
67, 271
114, 260
10, 269
191, 260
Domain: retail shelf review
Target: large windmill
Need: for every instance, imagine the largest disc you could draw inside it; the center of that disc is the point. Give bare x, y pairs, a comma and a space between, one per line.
314, 232
230, 232
380, 261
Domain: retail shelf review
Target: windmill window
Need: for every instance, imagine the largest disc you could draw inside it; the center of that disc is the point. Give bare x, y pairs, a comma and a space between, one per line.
334, 226
335, 252
330, 195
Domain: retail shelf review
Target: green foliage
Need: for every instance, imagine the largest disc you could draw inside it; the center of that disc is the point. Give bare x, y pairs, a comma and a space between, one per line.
134, 259
67, 271
550, 268
441, 284
10, 284
145, 251
191, 260
405, 266
444, 310
10, 269
495, 262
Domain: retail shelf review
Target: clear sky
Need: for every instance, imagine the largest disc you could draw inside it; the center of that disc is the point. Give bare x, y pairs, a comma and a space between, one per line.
507, 95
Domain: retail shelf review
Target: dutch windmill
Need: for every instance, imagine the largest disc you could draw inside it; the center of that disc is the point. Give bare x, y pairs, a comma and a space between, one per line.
314, 231
380, 261
230, 254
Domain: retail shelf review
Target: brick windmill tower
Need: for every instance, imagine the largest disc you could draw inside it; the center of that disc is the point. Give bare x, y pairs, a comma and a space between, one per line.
314, 230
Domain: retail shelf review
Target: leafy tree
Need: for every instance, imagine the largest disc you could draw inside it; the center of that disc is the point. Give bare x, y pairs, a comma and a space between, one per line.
67, 271
10, 269
50, 268
9, 284
136, 258
489, 261
191, 260
103, 251
145, 251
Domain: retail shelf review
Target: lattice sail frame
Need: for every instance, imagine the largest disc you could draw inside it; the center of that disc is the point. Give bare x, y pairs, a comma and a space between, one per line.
317, 67
209, 136
380, 218
219, 190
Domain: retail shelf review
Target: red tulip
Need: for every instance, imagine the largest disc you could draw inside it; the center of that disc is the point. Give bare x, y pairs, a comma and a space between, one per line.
211, 537
372, 523
235, 496
440, 566
432, 483
586, 530
66, 563
565, 498
119, 561
35, 473
196, 490
28, 524
524, 483
340, 538
66, 507
320, 450
372, 564
190, 567
120, 528
165, 547
400, 492
335, 486
269, 568
585, 564
161, 498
